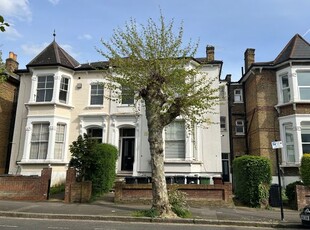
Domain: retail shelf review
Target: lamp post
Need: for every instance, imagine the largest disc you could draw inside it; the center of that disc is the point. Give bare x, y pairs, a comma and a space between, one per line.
277, 145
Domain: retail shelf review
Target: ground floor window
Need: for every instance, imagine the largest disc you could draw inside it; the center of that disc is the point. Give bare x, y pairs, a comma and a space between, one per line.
289, 142
39, 141
305, 137
95, 134
175, 140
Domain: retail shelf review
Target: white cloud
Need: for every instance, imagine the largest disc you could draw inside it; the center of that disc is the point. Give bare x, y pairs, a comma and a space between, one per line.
11, 33
15, 9
54, 2
85, 37
33, 49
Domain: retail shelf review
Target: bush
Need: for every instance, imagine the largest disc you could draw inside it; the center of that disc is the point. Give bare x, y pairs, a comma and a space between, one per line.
290, 192
95, 162
252, 177
305, 169
177, 199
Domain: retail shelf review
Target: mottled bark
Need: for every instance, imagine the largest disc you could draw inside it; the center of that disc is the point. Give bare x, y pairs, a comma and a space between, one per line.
156, 124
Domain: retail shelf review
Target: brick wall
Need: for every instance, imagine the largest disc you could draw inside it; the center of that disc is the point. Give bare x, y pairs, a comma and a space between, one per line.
77, 191
302, 196
19, 187
7, 92
195, 192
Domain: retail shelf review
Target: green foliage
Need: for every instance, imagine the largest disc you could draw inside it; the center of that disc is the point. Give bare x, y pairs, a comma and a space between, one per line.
3, 76
58, 188
290, 192
151, 59
177, 199
252, 177
305, 169
152, 213
3, 24
95, 162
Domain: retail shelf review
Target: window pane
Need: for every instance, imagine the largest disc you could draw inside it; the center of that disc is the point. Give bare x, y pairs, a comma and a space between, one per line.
303, 78
306, 148
304, 93
286, 95
45, 88
96, 94
39, 141
285, 82
175, 140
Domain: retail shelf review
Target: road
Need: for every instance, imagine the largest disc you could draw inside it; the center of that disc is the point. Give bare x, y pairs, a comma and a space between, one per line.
42, 224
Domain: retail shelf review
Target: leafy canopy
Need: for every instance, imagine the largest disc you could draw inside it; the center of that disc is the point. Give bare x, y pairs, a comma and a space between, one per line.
3, 24
153, 57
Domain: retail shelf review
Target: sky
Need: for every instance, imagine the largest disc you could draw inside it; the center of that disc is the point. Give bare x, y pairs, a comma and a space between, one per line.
231, 26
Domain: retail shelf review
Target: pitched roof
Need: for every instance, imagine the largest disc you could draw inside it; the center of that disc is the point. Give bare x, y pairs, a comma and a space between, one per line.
54, 55
297, 48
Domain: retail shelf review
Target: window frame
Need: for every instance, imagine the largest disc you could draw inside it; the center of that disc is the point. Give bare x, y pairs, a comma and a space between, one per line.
127, 95
175, 140
45, 89
64, 91
223, 123
301, 87
238, 97
39, 141
97, 95
240, 125
285, 88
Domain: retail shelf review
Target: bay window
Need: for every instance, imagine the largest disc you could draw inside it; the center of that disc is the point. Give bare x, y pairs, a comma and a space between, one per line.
39, 141
63, 92
305, 137
303, 79
45, 87
285, 88
59, 141
289, 143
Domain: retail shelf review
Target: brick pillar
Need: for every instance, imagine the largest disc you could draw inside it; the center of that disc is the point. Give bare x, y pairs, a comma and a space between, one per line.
45, 181
70, 179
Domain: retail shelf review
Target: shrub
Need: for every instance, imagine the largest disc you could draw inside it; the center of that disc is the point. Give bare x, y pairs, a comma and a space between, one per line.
177, 199
252, 177
305, 169
58, 188
290, 192
95, 162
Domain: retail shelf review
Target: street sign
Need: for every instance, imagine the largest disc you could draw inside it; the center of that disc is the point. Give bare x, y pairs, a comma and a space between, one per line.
277, 144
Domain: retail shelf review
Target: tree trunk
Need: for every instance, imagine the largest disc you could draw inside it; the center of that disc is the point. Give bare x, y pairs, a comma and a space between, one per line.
159, 186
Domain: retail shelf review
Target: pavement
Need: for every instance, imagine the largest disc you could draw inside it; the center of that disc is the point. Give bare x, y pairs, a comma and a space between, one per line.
106, 210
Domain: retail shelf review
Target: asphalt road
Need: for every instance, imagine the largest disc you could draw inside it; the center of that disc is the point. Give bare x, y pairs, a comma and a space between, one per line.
42, 224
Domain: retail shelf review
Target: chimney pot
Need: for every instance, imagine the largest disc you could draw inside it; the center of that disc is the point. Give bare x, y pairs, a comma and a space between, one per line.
11, 63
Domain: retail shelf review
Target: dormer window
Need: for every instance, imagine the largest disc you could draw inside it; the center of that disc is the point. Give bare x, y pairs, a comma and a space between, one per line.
45, 88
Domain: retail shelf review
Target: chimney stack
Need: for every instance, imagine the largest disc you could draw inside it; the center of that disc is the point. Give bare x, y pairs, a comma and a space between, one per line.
11, 63
210, 53
249, 58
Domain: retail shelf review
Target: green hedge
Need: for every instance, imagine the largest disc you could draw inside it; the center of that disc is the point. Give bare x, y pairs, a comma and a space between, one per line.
95, 162
305, 169
252, 179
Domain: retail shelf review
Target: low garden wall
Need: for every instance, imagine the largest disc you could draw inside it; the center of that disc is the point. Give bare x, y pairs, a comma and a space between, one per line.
302, 196
76, 191
201, 193
18, 187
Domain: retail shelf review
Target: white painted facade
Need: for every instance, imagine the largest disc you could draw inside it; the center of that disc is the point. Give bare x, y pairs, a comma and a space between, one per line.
52, 126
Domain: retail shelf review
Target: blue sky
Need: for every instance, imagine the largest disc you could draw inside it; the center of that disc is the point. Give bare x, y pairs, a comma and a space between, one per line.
230, 26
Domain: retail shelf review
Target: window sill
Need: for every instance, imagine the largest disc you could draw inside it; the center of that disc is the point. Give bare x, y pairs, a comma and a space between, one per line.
94, 107
182, 161
48, 103
42, 162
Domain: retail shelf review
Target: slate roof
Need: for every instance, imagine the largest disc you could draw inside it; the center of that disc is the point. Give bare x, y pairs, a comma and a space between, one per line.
297, 48
54, 55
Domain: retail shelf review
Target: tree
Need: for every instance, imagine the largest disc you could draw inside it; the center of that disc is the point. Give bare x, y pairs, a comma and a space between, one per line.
3, 76
3, 24
152, 61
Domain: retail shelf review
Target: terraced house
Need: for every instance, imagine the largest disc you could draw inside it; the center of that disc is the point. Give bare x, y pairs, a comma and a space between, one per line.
60, 99
276, 106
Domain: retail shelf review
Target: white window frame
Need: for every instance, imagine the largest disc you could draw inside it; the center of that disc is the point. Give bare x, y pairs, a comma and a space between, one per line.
96, 94
64, 88
238, 96
239, 123
60, 141
36, 140
289, 144
124, 101
175, 140
223, 123
303, 87
45, 89
285, 88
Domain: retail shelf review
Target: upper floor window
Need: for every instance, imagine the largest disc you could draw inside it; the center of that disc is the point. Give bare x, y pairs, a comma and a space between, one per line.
222, 92
223, 122
239, 128
285, 87
303, 79
128, 96
39, 141
63, 92
45, 88
175, 140
238, 96
96, 94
